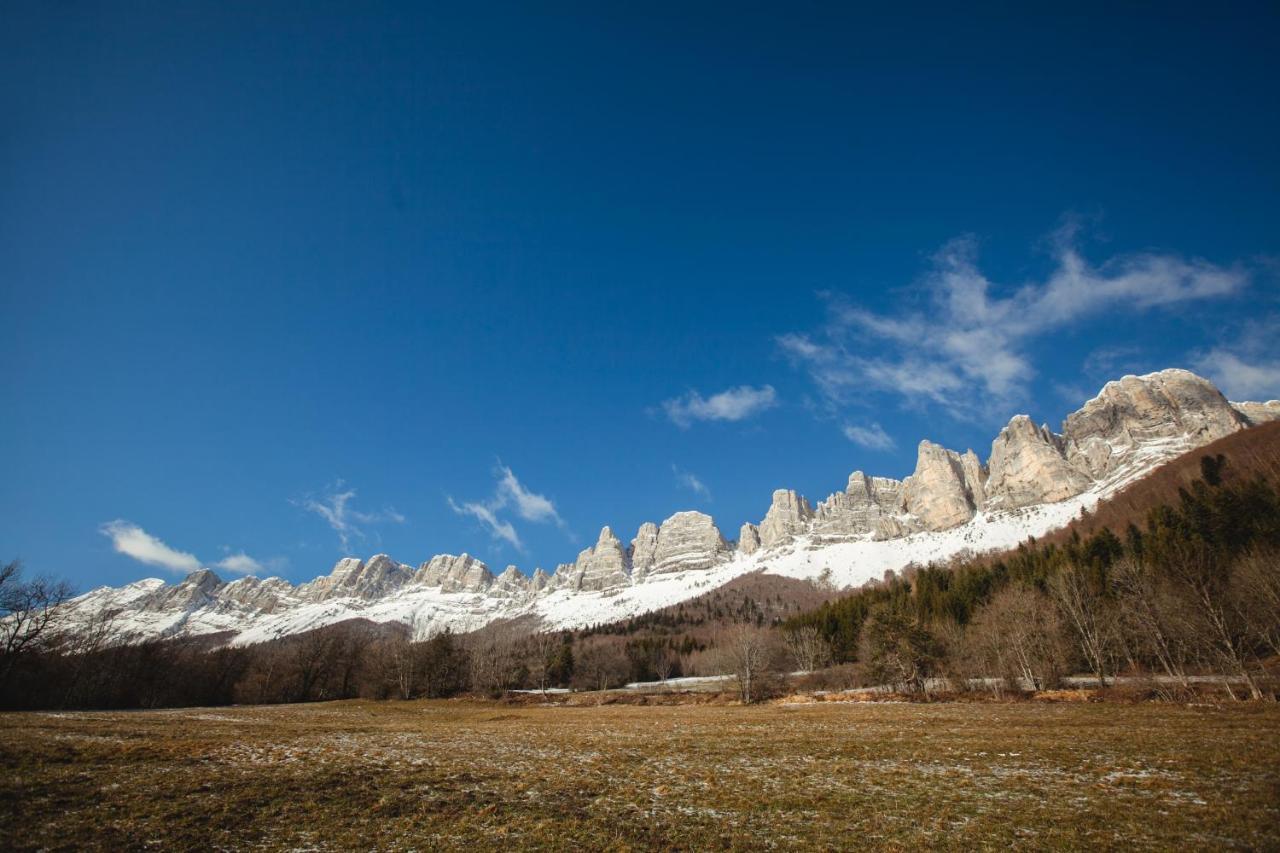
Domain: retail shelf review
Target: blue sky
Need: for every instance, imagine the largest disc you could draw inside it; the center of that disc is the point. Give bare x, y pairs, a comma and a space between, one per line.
279, 282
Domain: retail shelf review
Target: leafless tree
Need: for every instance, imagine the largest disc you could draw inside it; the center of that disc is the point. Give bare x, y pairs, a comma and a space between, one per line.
1090, 616
542, 649
30, 613
665, 659
1154, 619
599, 666
808, 649
496, 659
79, 647
1017, 638
747, 652
1217, 625
398, 661
1255, 590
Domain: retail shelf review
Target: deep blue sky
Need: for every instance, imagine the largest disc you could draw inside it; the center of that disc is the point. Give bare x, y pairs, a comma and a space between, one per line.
250, 250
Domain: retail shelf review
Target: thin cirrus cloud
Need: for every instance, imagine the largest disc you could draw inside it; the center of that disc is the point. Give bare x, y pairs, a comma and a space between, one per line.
336, 507
732, 404
131, 540
510, 494
973, 343
871, 436
689, 480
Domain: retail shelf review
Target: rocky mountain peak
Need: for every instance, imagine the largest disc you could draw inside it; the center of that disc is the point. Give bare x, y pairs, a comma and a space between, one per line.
1135, 411
789, 514
944, 489
1028, 466
644, 551
603, 566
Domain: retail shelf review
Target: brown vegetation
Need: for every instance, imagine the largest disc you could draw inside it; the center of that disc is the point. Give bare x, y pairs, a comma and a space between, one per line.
457, 775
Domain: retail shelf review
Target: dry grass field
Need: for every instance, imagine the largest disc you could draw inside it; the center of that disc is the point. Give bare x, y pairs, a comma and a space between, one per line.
459, 775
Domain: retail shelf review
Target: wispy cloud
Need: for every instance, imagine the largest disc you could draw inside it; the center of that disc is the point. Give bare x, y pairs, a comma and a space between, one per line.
487, 516
871, 436
510, 493
972, 343
733, 404
1247, 368
689, 480
335, 507
131, 540
528, 505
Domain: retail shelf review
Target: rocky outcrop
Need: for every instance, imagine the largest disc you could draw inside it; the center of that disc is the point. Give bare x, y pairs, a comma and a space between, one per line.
644, 551
1259, 413
539, 580
353, 578
195, 590
868, 505
260, 596
511, 583
462, 573
1172, 406
688, 541
788, 516
748, 539
939, 494
1028, 466
603, 566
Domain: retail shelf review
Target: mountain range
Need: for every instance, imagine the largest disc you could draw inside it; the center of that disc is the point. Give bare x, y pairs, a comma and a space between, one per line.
1035, 480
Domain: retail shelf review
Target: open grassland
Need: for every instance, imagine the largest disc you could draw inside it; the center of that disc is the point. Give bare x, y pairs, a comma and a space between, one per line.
453, 775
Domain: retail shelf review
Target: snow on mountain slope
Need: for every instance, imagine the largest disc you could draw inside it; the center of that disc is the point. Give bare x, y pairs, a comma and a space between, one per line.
1034, 481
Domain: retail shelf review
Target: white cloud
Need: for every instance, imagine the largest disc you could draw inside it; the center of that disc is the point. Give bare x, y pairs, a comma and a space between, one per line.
871, 436
971, 343
240, 564
689, 480
349, 523
1240, 379
132, 541
733, 404
510, 493
1247, 367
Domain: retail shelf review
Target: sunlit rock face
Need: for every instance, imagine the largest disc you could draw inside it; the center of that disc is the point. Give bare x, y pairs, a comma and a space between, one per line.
644, 551
789, 514
1259, 413
603, 566
1137, 411
1028, 466
688, 540
868, 505
462, 573
748, 539
940, 494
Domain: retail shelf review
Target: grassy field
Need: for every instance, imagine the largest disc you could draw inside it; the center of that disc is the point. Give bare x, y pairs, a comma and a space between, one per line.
432, 775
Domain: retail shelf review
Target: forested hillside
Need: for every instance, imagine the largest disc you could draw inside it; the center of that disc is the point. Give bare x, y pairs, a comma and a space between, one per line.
1194, 587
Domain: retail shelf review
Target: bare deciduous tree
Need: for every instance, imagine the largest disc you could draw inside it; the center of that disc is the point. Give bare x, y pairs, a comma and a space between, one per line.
30, 611
809, 650
1090, 616
747, 652
1017, 638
